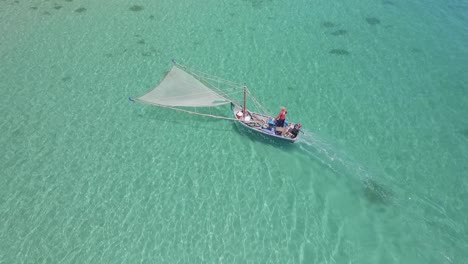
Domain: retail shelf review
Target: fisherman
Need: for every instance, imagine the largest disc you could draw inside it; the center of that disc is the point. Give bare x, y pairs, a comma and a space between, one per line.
281, 117
295, 130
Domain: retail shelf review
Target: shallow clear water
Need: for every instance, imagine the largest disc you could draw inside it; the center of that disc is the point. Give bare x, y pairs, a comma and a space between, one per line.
379, 177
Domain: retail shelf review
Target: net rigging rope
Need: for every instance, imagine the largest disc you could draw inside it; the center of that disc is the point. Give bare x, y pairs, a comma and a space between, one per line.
234, 87
184, 110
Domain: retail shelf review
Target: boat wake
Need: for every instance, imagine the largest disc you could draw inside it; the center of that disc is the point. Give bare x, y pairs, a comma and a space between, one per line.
314, 146
341, 164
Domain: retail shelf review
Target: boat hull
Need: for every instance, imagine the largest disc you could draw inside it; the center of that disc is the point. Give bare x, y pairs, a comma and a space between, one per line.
261, 125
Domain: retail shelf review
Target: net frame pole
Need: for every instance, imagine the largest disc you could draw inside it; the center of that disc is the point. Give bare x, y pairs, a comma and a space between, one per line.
245, 92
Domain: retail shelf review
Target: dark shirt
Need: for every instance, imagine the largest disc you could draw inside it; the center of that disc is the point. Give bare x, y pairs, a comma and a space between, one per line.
294, 131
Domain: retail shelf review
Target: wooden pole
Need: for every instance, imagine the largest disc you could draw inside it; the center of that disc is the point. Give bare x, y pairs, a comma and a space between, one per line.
243, 112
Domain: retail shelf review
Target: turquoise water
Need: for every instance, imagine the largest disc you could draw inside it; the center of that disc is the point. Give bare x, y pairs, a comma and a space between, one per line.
379, 176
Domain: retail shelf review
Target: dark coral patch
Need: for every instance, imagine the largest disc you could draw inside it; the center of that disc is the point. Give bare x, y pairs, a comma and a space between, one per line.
328, 24
141, 41
80, 10
341, 52
57, 7
372, 21
339, 32
136, 8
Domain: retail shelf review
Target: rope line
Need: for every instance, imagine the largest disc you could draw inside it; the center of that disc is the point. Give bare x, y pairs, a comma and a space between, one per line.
183, 110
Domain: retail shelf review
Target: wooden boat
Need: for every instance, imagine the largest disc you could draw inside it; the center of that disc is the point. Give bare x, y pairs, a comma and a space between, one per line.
264, 124
184, 89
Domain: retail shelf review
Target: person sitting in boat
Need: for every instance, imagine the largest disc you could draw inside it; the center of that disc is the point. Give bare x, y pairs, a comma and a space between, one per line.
294, 131
281, 117
239, 115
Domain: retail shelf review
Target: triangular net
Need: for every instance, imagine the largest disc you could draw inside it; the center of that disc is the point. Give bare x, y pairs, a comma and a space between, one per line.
178, 88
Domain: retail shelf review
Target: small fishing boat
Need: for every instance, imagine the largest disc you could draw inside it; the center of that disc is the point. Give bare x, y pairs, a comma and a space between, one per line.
266, 125
193, 92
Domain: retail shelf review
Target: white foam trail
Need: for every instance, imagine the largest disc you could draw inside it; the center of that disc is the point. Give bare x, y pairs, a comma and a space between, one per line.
338, 162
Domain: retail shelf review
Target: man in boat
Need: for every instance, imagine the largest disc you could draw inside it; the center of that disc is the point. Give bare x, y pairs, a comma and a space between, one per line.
294, 131
281, 117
